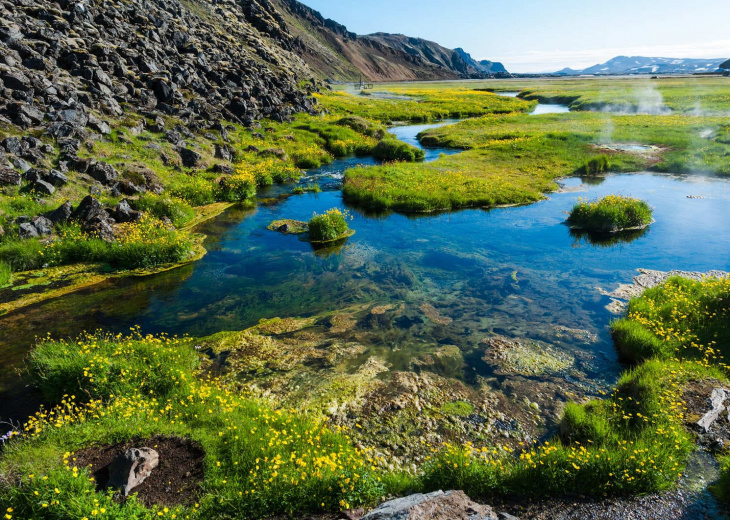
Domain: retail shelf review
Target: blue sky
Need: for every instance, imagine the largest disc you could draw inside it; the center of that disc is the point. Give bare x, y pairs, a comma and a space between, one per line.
547, 35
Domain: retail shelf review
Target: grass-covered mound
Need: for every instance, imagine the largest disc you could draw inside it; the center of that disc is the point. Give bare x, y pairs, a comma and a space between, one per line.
610, 214
394, 150
329, 226
259, 461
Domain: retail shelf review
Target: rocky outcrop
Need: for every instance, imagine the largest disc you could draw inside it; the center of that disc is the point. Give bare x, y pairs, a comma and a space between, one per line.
61, 63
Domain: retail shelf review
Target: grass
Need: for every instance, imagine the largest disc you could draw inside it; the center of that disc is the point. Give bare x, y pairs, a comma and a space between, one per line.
416, 103
146, 243
329, 226
394, 150
259, 462
177, 210
610, 214
6, 274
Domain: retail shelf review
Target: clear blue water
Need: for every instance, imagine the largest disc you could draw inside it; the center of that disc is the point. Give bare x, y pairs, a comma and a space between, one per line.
515, 271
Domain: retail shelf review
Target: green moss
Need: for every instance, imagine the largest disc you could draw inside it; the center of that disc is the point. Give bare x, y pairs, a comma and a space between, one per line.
458, 408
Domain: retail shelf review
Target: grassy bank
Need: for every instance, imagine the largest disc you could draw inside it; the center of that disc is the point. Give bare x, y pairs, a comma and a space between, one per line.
259, 461
610, 214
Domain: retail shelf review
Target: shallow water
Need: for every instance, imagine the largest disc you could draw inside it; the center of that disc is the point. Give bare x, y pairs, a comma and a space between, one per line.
516, 271
550, 108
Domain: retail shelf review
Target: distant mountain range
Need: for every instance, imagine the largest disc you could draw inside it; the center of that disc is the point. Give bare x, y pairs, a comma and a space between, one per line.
644, 65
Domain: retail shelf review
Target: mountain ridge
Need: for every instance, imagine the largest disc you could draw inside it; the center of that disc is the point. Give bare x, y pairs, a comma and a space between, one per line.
648, 65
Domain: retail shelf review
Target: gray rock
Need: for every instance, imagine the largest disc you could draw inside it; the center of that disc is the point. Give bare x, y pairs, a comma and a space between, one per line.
56, 178
20, 164
223, 152
43, 225
103, 172
124, 212
9, 177
27, 230
717, 406
452, 505
190, 158
44, 188
13, 145
132, 468
61, 214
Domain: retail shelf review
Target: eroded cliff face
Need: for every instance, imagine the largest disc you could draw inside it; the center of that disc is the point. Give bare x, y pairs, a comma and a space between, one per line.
336, 53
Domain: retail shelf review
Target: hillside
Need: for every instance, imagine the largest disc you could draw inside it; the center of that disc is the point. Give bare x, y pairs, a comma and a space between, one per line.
643, 65
338, 54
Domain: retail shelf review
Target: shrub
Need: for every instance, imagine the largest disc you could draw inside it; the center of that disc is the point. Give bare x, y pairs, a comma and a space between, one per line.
194, 190
329, 226
394, 150
239, 187
161, 206
610, 214
596, 165
146, 243
22, 255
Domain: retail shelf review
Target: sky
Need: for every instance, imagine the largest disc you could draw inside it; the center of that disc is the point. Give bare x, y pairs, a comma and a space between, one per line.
548, 35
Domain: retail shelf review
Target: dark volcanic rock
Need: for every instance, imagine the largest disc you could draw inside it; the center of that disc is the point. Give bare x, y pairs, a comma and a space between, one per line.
27, 230
61, 214
190, 158
124, 212
43, 225
103, 172
9, 177
43, 187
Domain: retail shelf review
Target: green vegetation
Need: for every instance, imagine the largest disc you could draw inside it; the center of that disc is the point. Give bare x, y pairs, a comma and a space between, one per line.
259, 461
6, 274
597, 165
331, 225
394, 150
164, 206
422, 103
610, 214
307, 188
21, 255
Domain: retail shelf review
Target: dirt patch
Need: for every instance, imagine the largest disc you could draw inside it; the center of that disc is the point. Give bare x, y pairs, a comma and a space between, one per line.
174, 482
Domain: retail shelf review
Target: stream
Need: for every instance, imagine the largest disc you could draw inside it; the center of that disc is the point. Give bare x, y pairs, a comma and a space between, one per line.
455, 278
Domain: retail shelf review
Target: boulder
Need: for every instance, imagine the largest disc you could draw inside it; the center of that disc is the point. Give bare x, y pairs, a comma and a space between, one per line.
103, 172
43, 225
223, 152
87, 209
190, 158
9, 177
279, 153
43, 187
124, 212
131, 469
27, 230
61, 214
56, 178
717, 406
13, 145
452, 505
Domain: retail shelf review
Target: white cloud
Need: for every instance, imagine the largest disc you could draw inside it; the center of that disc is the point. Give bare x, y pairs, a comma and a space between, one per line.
551, 61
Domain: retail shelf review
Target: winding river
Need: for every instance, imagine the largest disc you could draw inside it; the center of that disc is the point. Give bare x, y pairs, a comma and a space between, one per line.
456, 277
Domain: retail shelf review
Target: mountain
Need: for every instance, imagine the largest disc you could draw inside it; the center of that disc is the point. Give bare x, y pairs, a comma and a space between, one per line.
643, 65
725, 65
338, 54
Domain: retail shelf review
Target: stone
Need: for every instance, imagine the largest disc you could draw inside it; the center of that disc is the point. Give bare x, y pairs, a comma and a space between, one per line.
223, 152
103, 172
16, 80
190, 158
506, 516
20, 164
452, 505
87, 209
9, 177
34, 175
27, 230
43, 225
43, 188
124, 212
225, 169
13, 145
61, 214
717, 406
131, 469
56, 178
